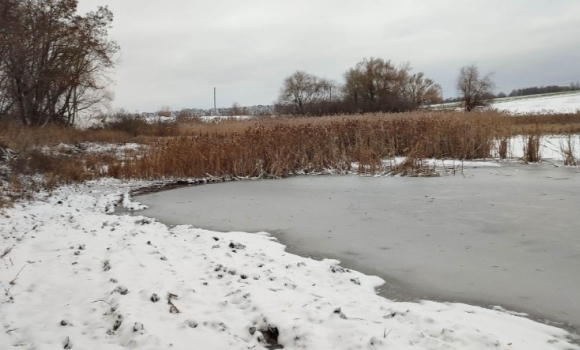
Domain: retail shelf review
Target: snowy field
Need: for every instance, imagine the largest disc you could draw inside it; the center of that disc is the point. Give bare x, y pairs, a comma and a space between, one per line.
568, 102
75, 277
563, 102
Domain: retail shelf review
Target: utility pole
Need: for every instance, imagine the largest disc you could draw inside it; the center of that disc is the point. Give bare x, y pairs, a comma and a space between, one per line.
330, 94
214, 103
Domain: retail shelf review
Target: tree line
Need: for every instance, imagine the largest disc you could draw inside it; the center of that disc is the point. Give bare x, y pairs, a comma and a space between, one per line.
53, 62
537, 90
372, 85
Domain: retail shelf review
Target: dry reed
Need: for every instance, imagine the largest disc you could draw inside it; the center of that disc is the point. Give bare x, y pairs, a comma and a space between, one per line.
568, 150
276, 147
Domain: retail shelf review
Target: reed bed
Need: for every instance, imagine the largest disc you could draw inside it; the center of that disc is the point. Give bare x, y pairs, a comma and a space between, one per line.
284, 146
277, 147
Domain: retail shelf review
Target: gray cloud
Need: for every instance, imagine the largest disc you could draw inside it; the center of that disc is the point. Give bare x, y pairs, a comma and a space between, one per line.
174, 52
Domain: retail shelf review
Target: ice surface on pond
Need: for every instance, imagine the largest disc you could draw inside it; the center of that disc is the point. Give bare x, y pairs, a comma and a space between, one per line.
493, 236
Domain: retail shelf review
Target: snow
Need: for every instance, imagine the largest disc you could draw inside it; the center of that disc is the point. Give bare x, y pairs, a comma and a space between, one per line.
218, 118
155, 119
552, 147
543, 104
75, 276
119, 150
429, 167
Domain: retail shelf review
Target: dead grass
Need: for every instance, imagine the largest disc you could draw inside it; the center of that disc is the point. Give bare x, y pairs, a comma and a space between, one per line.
278, 147
23, 139
413, 167
532, 144
135, 126
275, 147
568, 150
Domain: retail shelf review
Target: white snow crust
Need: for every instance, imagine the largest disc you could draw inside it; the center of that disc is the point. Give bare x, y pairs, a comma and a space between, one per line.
76, 277
552, 147
218, 118
119, 150
543, 104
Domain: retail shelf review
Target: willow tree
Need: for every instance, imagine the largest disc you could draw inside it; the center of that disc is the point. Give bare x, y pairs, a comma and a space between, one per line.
373, 80
301, 91
375, 84
475, 90
53, 62
421, 90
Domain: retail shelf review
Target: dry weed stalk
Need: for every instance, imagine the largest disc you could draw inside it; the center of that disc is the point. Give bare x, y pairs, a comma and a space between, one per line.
503, 148
531, 144
568, 150
13, 282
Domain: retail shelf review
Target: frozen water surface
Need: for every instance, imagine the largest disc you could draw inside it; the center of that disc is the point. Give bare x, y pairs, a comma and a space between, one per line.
507, 236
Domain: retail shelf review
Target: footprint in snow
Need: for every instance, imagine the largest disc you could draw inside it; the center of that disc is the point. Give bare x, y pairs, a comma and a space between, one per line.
121, 290
67, 343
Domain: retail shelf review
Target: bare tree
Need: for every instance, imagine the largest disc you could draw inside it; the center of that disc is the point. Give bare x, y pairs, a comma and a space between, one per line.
5, 100
372, 85
301, 91
421, 90
474, 90
165, 111
53, 62
376, 84
237, 110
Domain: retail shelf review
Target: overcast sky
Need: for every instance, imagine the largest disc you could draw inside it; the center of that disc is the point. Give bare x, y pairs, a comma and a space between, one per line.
173, 52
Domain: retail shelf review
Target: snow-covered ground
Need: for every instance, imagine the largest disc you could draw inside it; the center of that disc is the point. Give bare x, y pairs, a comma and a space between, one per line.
550, 103
217, 118
118, 150
562, 102
154, 119
552, 147
73, 276
568, 102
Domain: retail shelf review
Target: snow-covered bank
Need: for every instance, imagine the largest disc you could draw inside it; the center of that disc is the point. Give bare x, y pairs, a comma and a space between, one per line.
568, 102
553, 103
551, 147
118, 150
89, 280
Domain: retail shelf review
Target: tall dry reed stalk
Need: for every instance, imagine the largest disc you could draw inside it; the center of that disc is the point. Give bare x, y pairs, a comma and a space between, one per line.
568, 150
531, 143
272, 150
274, 147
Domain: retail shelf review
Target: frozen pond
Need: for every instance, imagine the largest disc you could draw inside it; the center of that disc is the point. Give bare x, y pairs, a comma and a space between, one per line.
506, 236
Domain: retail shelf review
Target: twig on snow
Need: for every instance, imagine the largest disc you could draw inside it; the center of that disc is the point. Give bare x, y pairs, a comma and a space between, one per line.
6, 251
13, 282
172, 308
104, 301
386, 334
